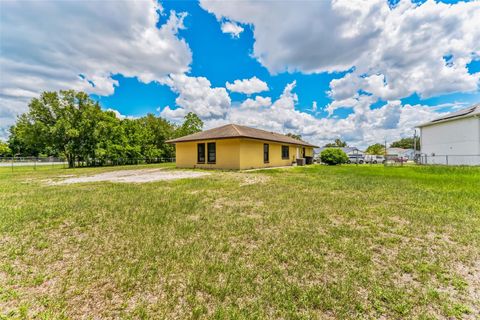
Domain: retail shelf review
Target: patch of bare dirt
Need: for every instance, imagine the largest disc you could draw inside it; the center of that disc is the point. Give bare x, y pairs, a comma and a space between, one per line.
254, 179
471, 274
132, 176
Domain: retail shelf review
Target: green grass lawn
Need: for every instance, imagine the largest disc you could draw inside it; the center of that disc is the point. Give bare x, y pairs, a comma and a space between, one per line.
310, 242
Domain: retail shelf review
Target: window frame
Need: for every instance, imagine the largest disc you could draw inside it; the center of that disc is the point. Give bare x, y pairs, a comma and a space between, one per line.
214, 144
287, 156
266, 153
198, 152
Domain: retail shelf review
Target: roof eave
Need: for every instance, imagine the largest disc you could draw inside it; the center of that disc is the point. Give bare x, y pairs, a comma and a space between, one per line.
427, 124
301, 143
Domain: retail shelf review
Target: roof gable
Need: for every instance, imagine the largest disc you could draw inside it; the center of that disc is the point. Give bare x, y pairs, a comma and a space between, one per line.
230, 131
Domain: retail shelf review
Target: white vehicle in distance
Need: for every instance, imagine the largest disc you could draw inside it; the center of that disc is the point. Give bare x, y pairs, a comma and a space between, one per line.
374, 158
356, 158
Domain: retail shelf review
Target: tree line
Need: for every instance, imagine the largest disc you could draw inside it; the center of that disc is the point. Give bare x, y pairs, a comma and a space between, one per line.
70, 124
404, 143
378, 148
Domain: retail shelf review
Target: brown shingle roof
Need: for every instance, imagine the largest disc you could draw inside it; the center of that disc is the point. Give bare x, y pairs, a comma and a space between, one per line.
237, 131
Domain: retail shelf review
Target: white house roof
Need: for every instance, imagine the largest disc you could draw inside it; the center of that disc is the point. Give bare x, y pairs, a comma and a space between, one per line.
347, 150
464, 113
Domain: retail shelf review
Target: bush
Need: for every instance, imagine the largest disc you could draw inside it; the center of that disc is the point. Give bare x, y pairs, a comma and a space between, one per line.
333, 156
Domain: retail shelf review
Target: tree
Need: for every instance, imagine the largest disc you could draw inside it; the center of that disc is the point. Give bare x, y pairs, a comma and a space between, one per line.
376, 148
294, 136
337, 144
191, 124
59, 123
4, 149
406, 143
71, 124
156, 132
333, 156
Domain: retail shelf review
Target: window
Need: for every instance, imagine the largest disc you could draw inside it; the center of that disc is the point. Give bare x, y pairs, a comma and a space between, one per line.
265, 153
212, 152
201, 153
285, 152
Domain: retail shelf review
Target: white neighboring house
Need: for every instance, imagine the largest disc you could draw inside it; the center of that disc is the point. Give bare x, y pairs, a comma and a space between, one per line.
453, 139
354, 154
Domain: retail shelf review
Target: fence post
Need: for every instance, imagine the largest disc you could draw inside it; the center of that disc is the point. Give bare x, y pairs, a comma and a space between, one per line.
35, 163
446, 157
13, 158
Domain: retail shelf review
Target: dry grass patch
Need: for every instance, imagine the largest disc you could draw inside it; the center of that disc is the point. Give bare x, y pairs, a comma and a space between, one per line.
315, 242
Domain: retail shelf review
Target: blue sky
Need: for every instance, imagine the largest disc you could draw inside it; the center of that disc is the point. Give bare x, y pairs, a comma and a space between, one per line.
221, 58
218, 57
358, 71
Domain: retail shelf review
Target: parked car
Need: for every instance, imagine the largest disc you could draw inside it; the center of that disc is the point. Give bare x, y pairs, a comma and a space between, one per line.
374, 158
356, 158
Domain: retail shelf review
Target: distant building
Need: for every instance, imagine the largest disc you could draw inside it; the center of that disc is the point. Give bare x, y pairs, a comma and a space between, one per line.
400, 153
354, 154
350, 151
453, 139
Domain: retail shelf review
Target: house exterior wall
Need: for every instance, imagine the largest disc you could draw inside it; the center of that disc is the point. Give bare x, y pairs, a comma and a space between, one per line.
227, 157
251, 154
458, 139
238, 154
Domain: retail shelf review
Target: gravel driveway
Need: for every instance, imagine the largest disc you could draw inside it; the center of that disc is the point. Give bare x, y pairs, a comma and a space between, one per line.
134, 176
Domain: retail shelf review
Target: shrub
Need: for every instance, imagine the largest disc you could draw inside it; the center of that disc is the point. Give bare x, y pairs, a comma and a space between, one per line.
333, 156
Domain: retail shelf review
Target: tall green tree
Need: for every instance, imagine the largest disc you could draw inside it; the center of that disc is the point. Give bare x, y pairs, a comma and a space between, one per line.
157, 131
58, 123
71, 124
376, 148
4, 149
108, 141
337, 143
191, 124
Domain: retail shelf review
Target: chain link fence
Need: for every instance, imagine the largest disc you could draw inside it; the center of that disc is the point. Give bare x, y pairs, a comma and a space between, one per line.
449, 160
58, 162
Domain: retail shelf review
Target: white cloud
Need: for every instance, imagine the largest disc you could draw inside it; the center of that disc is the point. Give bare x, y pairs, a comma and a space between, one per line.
393, 52
119, 115
363, 127
195, 94
233, 28
258, 102
247, 86
53, 45
307, 36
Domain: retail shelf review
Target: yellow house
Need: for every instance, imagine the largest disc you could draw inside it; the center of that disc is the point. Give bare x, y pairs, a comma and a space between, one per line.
238, 147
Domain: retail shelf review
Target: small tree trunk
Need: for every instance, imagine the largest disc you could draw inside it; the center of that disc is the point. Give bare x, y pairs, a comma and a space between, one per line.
70, 162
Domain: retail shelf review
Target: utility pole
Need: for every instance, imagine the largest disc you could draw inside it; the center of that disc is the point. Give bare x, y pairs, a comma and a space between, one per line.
415, 145
414, 141
385, 151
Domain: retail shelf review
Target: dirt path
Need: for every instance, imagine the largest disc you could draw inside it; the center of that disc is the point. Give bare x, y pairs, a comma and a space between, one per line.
133, 176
